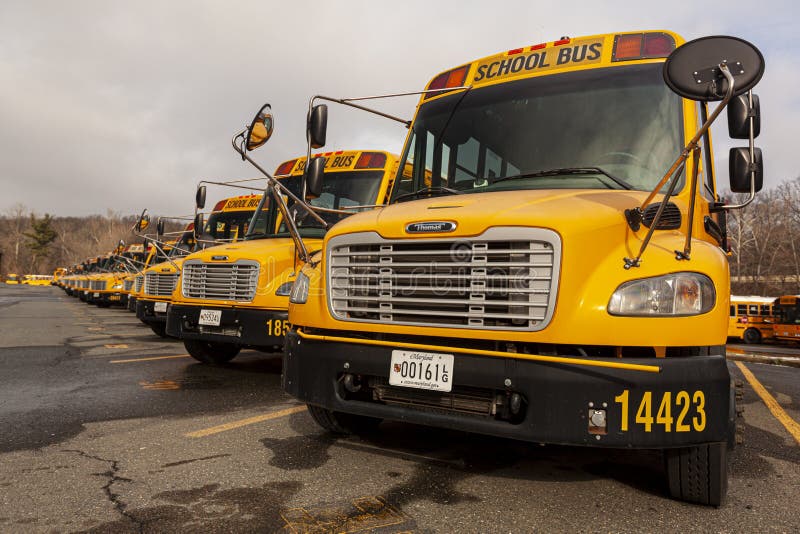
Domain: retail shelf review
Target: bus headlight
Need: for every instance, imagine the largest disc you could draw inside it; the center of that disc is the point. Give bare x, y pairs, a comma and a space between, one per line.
299, 293
284, 290
116, 286
668, 295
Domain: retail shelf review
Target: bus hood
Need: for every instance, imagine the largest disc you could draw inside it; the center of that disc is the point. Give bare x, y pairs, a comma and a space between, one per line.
279, 248
560, 210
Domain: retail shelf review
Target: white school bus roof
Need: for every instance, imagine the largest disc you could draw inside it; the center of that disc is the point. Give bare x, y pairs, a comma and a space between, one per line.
556, 56
340, 160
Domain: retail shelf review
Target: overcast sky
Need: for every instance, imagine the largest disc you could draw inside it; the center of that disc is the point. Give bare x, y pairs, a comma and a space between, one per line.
125, 105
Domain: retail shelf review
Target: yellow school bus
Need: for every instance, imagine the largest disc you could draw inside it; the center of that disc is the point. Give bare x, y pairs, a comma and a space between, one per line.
555, 269
787, 318
751, 318
228, 222
13, 279
235, 296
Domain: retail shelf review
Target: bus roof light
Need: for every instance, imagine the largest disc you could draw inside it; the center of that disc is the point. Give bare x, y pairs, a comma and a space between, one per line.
219, 205
371, 160
285, 167
627, 47
642, 46
447, 80
562, 41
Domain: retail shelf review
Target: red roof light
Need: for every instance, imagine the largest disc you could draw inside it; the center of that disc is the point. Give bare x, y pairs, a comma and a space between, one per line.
285, 167
371, 160
447, 80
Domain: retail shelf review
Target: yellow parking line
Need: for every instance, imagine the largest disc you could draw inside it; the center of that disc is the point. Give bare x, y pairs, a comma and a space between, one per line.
150, 359
791, 425
244, 422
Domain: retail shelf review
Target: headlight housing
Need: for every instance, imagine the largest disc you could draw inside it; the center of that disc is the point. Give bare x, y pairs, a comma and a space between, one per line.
676, 294
117, 286
299, 294
285, 289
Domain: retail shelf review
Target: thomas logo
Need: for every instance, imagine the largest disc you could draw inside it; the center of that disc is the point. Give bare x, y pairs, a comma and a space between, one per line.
430, 227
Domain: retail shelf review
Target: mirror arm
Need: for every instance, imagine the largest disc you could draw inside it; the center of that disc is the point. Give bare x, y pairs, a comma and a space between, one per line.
752, 147
349, 102
161, 250
276, 183
687, 246
723, 67
290, 224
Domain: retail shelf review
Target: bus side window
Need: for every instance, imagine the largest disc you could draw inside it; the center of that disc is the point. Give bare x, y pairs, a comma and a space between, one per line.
741, 309
733, 310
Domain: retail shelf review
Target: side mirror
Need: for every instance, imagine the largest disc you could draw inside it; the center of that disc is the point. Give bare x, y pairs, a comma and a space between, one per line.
143, 222
198, 225
317, 126
200, 197
692, 70
314, 178
160, 227
739, 114
261, 128
740, 167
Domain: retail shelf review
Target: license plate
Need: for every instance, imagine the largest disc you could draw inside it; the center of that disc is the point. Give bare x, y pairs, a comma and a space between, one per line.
422, 370
160, 307
114, 297
210, 317
96, 295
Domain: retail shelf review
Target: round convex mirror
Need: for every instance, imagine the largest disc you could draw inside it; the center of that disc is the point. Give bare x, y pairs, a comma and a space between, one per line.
693, 69
261, 128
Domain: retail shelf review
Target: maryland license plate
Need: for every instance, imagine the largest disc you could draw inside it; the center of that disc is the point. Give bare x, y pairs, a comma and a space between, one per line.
210, 317
422, 370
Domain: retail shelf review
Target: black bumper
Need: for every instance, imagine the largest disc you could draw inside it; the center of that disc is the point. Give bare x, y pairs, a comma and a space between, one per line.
557, 398
111, 299
245, 327
131, 304
146, 313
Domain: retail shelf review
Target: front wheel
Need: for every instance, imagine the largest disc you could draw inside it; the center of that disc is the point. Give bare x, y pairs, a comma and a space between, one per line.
209, 352
342, 423
159, 329
698, 474
752, 336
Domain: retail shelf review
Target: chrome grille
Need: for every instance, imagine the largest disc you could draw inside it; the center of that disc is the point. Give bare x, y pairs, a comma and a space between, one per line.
97, 285
127, 285
220, 281
85, 284
160, 284
504, 279
137, 286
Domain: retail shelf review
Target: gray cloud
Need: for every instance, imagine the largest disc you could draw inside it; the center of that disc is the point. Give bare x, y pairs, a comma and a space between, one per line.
126, 105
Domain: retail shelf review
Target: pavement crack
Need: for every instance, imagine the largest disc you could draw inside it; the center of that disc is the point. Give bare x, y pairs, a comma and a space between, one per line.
113, 477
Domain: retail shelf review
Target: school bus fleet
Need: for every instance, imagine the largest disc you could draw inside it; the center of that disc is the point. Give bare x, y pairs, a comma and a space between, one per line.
545, 260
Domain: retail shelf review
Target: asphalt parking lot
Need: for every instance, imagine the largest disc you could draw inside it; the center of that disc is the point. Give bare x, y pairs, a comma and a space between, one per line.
108, 428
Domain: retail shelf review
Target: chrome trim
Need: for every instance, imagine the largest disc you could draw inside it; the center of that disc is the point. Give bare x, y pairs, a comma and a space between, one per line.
160, 284
237, 281
504, 279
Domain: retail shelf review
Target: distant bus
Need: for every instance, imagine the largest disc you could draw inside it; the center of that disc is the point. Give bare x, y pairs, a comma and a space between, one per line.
787, 317
751, 318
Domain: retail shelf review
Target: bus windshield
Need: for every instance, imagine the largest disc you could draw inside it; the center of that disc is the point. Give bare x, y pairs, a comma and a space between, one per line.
611, 128
339, 191
228, 225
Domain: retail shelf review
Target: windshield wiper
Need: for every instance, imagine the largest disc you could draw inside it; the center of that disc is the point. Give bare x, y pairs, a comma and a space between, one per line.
568, 171
441, 190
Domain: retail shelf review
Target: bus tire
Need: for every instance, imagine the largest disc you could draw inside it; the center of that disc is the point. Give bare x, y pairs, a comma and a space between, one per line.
210, 352
159, 329
751, 336
342, 423
698, 474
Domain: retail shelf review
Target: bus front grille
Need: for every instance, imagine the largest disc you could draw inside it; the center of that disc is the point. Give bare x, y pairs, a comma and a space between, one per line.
220, 281
504, 279
160, 285
138, 283
127, 285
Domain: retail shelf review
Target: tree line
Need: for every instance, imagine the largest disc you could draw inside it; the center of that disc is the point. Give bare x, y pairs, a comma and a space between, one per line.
38, 244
